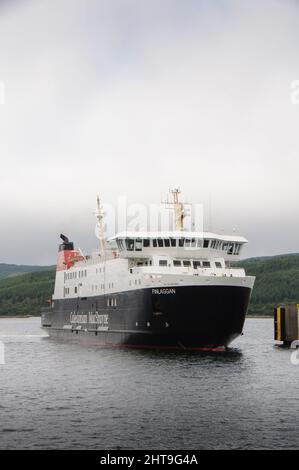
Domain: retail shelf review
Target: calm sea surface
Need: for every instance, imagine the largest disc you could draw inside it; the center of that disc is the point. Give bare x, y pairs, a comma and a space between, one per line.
56, 395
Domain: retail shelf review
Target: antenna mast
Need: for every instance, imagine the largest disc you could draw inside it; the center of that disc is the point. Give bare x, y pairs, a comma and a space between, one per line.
178, 207
100, 217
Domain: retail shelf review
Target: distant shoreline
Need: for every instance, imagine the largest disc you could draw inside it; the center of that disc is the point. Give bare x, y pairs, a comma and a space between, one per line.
19, 316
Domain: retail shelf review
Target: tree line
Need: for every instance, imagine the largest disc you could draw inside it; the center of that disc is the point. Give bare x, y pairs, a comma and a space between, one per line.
277, 281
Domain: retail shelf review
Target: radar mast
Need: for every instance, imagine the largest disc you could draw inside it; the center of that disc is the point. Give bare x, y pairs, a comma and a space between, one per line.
100, 216
178, 207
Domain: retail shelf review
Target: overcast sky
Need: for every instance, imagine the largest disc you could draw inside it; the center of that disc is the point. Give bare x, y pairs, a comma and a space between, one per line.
131, 97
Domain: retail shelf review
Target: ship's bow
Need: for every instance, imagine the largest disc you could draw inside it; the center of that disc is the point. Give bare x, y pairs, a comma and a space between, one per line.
200, 316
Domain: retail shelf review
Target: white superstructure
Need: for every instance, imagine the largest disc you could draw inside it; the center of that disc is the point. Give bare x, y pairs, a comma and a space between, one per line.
134, 260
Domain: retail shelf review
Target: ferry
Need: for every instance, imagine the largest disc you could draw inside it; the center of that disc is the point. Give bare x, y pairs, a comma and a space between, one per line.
165, 289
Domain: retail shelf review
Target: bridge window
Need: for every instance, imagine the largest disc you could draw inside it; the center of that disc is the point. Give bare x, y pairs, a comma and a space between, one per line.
218, 264
230, 248
206, 243
173, 242
177, 262
130, 244
160, 243
199, 243
206, 264
187, 242
120, 245
196, 264
237, 248
138, 244
193, 243
166, 242
146, 243
163, 262
186, 262
181, 242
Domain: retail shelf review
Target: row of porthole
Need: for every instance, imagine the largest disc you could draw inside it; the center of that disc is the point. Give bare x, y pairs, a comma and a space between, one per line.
73, 275
148, 324
99, 270
137, 282
96, 287
77, 331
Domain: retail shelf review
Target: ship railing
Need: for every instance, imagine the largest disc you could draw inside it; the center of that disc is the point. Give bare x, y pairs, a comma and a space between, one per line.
200, 271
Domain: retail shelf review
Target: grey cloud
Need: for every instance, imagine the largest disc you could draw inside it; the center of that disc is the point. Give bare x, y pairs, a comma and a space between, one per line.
132, 97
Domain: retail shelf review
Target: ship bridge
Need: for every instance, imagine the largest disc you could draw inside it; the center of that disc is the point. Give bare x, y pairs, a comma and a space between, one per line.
179, 245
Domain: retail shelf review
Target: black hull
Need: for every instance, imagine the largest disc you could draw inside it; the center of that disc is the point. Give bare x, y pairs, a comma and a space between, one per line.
186, 317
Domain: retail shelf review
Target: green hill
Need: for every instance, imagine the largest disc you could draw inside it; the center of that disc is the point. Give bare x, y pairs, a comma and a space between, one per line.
7, 270
25, 294
277, 281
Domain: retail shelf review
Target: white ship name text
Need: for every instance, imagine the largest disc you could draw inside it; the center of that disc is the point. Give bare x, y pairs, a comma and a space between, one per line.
163, 291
